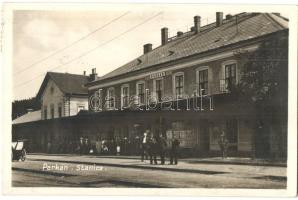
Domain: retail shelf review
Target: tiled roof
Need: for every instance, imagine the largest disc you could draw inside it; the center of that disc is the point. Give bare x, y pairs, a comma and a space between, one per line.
68, 83
248, 26
28, 117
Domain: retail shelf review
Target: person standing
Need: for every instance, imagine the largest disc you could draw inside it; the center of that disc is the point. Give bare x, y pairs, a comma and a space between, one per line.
98, 146
223, 143
81, 145
174, 151
162, 145
144, 145
152, 149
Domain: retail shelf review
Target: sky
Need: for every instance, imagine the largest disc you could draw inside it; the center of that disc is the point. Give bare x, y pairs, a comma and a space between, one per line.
108, 37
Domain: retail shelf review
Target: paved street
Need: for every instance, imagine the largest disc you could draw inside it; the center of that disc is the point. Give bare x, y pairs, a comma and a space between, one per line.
91, 171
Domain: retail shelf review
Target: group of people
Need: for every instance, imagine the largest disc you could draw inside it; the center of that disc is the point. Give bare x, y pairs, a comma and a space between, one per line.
153, 145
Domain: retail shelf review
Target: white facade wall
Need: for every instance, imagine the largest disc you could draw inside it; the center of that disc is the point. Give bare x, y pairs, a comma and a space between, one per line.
53, 96
76, 103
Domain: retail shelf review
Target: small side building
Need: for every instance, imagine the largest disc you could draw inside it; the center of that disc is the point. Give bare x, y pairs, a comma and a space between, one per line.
62, 94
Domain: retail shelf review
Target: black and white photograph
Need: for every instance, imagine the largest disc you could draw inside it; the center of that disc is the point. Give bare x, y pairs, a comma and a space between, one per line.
152, 96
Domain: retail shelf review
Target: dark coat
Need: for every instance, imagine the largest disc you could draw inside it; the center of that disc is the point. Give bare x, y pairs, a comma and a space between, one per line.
162, 143
175, 144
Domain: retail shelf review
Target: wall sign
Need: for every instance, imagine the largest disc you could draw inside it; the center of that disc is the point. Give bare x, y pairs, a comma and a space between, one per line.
159, 74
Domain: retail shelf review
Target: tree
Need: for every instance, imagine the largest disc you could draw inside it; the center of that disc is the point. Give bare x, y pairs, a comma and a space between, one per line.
264, 82
20, 107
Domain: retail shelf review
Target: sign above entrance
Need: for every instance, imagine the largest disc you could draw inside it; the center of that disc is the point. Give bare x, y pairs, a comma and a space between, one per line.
159, 74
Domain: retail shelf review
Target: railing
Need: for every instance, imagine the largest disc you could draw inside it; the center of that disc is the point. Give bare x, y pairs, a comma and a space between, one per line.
223, 86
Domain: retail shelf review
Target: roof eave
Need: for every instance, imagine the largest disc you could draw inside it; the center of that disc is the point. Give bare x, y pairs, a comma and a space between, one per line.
252, 40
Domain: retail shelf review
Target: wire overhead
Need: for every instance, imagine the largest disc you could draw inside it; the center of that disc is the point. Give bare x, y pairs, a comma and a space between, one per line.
71, 44
93, 49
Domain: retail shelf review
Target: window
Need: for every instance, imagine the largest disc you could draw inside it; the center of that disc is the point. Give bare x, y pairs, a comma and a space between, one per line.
111, 98
158, 89
80, 107
52, 111
202, 80
45, 112
52, 90
141, 92
125, 96
60, 110
230, 76
178, 84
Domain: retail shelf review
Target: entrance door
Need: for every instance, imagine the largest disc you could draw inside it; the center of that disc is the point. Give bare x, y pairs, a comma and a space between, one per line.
204, 137
262, 141
232, 135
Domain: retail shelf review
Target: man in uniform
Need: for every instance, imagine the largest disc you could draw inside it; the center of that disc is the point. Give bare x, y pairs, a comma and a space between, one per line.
223, 143
144, 145
152, 149
162, 145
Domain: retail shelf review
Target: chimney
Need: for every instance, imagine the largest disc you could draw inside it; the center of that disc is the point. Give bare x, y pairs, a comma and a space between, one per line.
147, 48
93, 75
164, 35
197, 24
219, 18
179, 33
229, 16
84, 73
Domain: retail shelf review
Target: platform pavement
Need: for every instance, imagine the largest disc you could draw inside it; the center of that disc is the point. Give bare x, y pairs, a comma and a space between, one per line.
184, 165
207, 160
